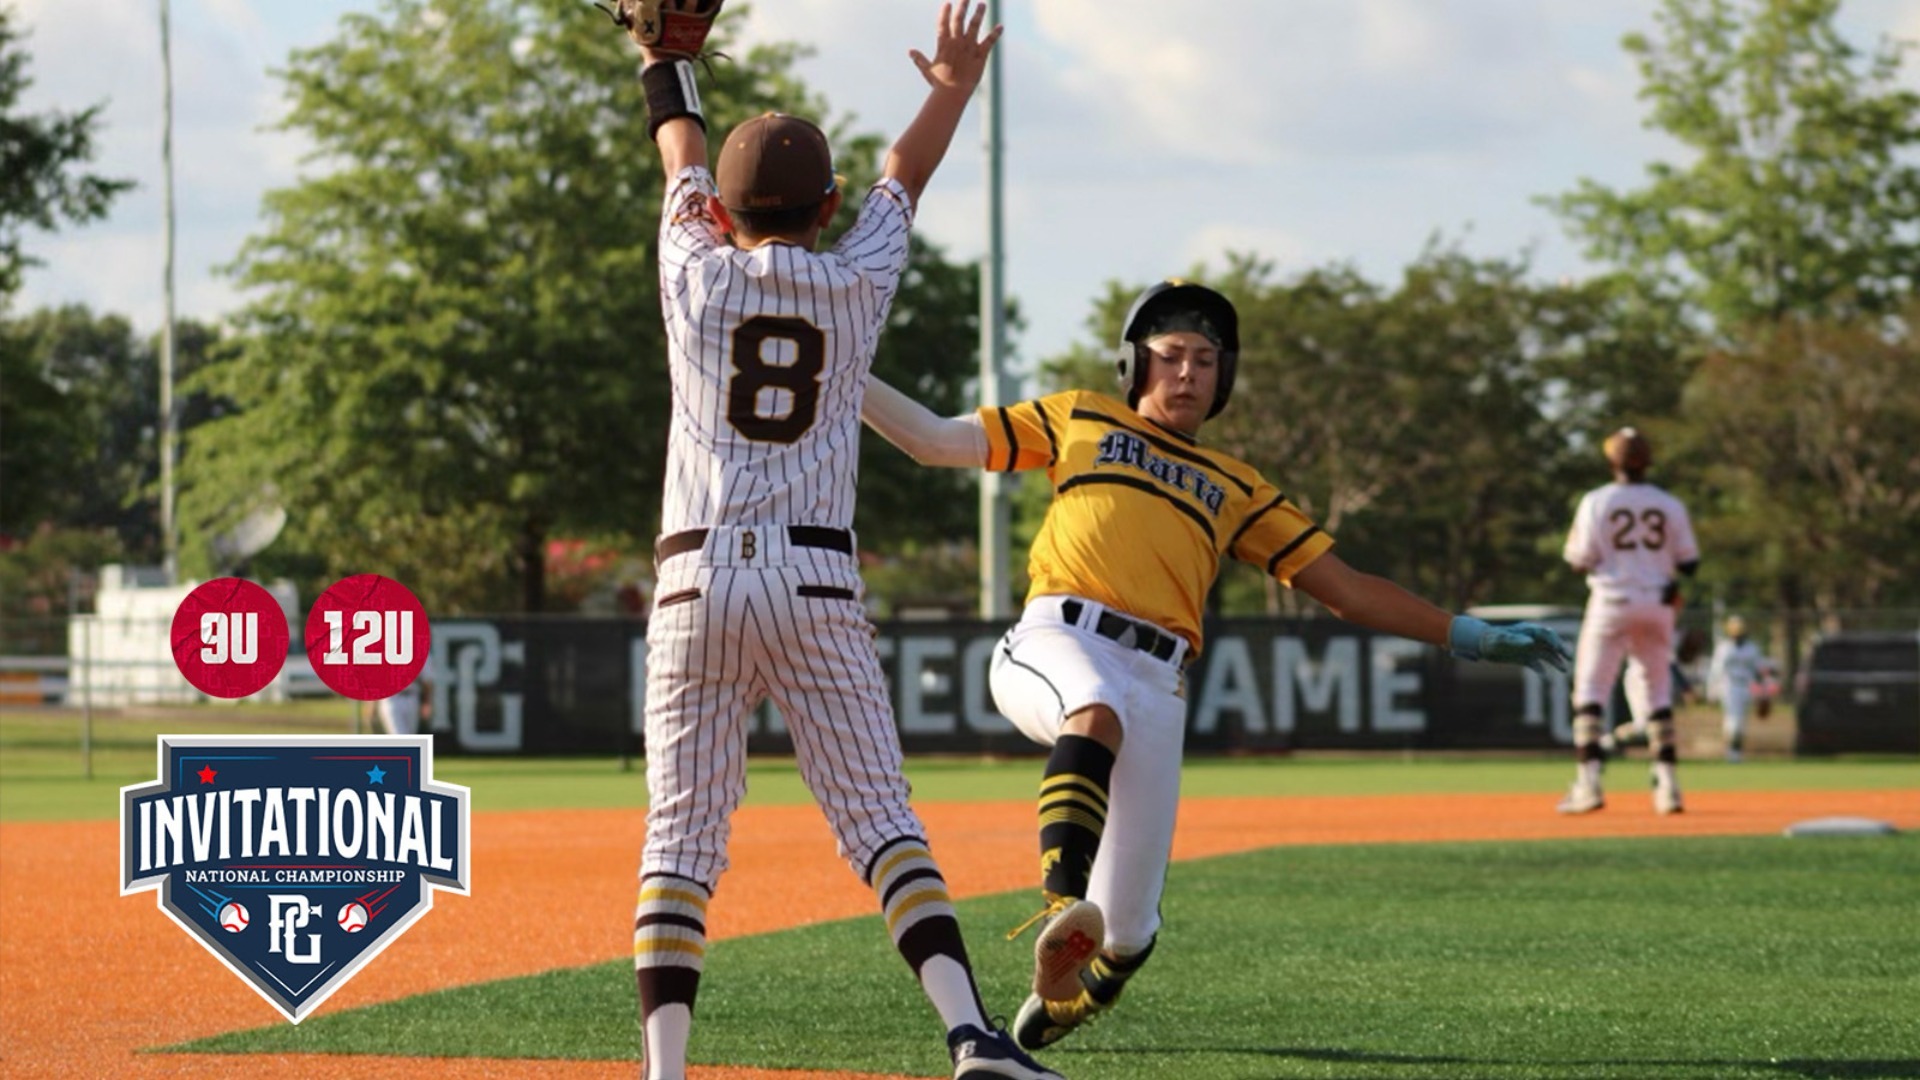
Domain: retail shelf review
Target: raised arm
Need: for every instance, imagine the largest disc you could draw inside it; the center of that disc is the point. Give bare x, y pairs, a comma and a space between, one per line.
959, 57
1579, 552
673, 102
926, 438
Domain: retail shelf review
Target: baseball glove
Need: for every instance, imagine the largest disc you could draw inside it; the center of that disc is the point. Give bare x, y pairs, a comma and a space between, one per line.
666, 26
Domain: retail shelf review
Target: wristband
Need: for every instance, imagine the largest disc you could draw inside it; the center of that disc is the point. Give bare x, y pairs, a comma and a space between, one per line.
671, 94
1464, 634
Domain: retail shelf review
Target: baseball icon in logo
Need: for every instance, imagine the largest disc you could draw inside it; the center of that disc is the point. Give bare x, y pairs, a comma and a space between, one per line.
233, 917
353, 917
229, 638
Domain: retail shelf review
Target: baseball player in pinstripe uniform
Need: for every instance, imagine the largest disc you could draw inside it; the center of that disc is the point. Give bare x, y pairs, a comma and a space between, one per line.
1633, 541
1141, 516
759, 593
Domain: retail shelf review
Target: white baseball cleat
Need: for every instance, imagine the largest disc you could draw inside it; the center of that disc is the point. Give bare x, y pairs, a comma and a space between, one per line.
1666, 799
1582, 799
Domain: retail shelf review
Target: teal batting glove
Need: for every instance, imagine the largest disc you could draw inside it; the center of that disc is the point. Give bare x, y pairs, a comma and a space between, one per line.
1518, 643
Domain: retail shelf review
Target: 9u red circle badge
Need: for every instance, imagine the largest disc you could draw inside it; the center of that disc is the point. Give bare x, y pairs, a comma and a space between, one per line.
367, 637
229, 638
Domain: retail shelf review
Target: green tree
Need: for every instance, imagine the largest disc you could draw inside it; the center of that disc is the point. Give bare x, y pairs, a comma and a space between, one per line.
455, 354
44, 575
1816, 492
1794, 234
81, 417
37, 439
38, 187
1616, 352
929, 351
1801, 195
1450, 417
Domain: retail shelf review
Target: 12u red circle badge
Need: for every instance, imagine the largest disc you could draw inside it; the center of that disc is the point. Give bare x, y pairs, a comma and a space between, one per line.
367, 637
229, 638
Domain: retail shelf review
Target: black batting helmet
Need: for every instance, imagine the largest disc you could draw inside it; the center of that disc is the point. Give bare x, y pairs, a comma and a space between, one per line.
1206, 311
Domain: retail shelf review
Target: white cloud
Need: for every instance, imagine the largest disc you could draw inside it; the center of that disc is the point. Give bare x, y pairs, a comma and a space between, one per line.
1906, 26
1208, 243
222, 161
1236, 81
1138, 142
241, 20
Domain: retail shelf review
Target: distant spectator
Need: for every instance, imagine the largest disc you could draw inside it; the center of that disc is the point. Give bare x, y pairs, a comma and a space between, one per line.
1741, 675
400, 714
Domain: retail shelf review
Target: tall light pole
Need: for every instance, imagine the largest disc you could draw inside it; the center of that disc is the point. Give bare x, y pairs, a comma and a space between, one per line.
995, 589
169, 423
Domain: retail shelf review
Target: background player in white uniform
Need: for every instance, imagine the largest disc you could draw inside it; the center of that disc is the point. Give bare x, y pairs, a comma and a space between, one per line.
759, 594
1633, 541
1734, 679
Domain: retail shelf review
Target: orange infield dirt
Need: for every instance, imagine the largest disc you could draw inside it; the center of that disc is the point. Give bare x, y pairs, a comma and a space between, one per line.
89, 978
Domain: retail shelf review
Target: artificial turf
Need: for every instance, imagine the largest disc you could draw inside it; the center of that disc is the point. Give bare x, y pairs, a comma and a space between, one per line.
1644, 958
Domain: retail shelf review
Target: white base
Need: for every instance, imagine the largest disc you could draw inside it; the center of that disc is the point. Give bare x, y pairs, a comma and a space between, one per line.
1840, 826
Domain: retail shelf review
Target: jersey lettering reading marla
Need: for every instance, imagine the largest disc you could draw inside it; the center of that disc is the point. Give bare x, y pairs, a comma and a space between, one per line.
769, 349
1115, 474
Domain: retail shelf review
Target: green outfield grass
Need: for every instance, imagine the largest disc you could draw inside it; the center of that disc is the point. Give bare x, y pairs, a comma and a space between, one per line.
41, 772
1657, 958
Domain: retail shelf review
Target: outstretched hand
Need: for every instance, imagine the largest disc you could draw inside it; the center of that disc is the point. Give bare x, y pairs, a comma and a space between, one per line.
959, 52
1528, 644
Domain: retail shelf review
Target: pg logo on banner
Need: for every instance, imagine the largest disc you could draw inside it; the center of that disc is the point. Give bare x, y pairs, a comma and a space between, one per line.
295, 859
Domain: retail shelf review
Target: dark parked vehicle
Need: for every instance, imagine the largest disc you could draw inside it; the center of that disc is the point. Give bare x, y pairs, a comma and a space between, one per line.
1860, 693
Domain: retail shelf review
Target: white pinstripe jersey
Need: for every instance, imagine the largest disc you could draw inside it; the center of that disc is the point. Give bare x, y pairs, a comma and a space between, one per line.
1632, 538
768, 349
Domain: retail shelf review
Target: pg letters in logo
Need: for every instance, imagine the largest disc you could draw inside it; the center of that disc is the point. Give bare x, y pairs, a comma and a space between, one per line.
467, 658
289, 916
295, 859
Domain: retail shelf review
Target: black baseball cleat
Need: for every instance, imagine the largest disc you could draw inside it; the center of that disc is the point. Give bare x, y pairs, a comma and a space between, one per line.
990, 1055
1042, 1023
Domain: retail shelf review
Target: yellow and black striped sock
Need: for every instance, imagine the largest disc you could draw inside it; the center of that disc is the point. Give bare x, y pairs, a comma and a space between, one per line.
1588, 724
1107, 975
1073, 813
669, 952
921, 920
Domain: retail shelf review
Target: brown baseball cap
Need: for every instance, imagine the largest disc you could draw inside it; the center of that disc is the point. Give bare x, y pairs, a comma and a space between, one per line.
775, 162
1628, 449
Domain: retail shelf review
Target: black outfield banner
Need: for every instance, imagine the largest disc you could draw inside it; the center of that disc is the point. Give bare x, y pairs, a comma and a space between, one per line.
578, 686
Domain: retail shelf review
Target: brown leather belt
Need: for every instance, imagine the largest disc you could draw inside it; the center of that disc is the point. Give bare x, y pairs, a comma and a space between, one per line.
813, 536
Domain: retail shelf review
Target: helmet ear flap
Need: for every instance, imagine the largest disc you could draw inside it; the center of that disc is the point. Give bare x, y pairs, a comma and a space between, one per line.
1130, 367
1229, 366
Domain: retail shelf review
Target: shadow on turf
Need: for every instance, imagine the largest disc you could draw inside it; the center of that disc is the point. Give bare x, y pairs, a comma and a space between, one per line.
1809, 1068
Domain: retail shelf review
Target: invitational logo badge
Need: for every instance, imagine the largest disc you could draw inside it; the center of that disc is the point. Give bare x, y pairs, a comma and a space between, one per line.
295, 859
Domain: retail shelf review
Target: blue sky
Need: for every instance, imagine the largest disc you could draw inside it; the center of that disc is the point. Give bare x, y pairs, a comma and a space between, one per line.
1138, 144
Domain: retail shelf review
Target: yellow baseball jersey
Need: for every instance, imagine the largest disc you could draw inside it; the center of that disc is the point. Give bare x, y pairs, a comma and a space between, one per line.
1141, 514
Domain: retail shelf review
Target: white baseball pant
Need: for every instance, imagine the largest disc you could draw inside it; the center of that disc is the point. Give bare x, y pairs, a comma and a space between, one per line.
1639, 630
738, 622
1046, 669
